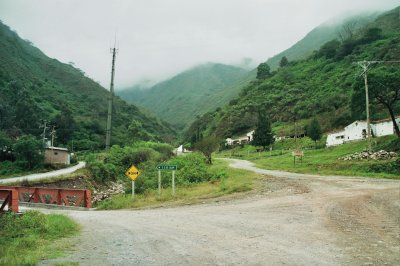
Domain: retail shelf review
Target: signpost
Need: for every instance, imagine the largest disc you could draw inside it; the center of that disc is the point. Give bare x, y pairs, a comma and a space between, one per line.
132, 173
297, 153
165, 167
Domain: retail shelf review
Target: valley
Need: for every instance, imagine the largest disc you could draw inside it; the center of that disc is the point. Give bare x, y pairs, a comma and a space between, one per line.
293, 162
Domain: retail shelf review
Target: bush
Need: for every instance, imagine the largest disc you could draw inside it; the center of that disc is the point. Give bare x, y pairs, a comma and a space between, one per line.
29, 152
192, 168
393, 145
387, 167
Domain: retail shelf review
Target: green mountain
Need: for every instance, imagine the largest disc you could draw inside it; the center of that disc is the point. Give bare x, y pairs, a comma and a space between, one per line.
191, 93
34, 87
322, 85
338, 28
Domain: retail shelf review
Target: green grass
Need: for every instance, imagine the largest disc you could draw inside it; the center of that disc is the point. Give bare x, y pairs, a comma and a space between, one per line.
230, 181
27, 238
319, 161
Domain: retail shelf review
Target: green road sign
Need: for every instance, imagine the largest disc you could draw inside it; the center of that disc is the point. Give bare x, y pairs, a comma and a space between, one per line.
166, 167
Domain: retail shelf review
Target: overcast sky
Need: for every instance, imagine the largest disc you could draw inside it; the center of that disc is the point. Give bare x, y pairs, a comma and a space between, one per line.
160, 38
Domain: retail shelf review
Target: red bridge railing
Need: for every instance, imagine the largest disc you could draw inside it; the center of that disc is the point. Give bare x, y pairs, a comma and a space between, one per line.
57, 196
10, 198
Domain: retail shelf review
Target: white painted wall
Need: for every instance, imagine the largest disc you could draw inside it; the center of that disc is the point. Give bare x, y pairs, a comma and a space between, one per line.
336, 138
250, 135
354, 131
384, 128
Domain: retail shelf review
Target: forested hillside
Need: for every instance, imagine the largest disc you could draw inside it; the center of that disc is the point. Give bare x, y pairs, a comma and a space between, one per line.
337, 28
34, 87
191, 93
326, 85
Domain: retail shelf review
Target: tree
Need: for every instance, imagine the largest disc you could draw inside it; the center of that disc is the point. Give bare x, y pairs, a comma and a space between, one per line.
284, 62
207, 146
29, 151
263, 134
263, 71
65, 125
313, 130
384, 89
329, 49
136, 131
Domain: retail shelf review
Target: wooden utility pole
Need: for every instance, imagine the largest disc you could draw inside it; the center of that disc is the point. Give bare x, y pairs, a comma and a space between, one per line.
110, 101
365, 65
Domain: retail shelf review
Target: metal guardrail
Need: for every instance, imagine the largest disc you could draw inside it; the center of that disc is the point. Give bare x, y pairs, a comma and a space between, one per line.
56, 196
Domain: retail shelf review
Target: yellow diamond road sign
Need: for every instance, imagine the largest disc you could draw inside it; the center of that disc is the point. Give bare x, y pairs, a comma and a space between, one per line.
132, 173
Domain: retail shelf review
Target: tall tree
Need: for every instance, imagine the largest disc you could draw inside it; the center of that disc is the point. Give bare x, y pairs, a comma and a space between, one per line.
263, 71
384, 89
284, 62
314, 131
263, 133
207, 146
29, 151
65, 125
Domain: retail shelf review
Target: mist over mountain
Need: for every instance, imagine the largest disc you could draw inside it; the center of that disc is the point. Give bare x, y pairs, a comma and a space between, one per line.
189, 94
322, 85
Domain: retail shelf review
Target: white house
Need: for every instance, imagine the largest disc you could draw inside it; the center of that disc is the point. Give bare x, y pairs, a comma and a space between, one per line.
229, 141
250, 135
335, 138
384, 127
358, 130
240, 140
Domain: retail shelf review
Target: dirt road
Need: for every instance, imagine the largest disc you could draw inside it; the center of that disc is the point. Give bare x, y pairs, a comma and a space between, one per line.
41, 176
301, 220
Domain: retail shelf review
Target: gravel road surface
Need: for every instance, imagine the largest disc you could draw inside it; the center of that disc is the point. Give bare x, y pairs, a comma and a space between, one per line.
290, 219
41, 176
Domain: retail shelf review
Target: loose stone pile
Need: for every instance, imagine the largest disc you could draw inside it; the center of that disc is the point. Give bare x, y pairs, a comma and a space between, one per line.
113, 189
366, 155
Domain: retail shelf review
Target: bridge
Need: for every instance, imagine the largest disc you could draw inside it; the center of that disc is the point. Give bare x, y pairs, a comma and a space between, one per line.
13, 196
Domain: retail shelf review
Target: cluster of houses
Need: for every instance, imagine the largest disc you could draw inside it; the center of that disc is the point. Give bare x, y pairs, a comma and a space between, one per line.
355, 131
358, 131
241, 140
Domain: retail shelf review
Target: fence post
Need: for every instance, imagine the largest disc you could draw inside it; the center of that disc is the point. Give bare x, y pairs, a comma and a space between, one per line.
14, 200
88, 198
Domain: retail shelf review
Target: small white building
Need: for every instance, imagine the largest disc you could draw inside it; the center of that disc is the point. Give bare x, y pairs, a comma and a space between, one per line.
335, 138
240, 140
229, 141
384, 127
250, 135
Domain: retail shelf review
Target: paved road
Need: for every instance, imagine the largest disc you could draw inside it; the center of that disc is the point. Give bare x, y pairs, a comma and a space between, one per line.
34, 177
306, 220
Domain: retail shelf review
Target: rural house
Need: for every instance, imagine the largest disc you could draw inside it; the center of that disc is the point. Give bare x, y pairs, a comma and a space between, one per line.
56, 155
358, 131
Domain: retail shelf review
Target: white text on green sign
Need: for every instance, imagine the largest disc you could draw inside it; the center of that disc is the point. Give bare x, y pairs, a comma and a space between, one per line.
167, 167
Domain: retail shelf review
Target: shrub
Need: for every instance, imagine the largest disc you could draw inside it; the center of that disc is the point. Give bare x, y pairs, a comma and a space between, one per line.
192, 168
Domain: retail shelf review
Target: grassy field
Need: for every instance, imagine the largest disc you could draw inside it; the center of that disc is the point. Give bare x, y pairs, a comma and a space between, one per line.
232, 180
319, 161
26, 239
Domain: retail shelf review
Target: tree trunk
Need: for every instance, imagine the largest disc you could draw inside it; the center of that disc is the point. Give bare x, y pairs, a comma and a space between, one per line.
396, 127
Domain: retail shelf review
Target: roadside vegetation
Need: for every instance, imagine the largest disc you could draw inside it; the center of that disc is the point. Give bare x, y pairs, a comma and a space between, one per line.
195, 178
27, 238
208, 182
322, 161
